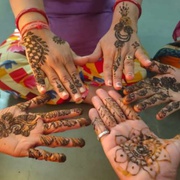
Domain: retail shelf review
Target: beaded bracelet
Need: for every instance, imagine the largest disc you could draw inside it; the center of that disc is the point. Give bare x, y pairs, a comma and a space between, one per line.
27, 11
132, 1
33, 25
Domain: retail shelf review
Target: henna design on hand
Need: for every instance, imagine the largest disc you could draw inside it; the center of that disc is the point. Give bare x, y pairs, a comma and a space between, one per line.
109, 120
36, 50
58, 40
44, 155
20, 125
140, 151
123, 32
135, 45
162, 68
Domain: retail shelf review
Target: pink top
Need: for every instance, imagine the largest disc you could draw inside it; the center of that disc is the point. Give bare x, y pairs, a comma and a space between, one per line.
80, 22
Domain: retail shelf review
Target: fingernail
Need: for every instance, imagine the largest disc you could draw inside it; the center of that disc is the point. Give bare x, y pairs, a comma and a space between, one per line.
82, 89
77, 97
65, 95
109, 83
118, 84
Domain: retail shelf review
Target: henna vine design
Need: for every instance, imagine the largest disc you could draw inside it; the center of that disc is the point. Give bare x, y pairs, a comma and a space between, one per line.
135, 45
36, 49
140, 151
123, 32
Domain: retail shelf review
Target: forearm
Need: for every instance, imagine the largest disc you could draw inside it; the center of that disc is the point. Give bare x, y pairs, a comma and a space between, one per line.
30, 16
132, 11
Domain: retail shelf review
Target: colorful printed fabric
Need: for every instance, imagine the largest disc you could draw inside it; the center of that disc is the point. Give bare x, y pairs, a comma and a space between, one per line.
16, 76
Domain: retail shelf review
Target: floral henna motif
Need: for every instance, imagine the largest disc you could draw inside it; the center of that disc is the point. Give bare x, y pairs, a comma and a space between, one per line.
140, 151
162, 68
20, 125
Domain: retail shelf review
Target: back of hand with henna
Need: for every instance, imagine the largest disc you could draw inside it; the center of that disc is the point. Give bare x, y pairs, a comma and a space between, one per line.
161, 88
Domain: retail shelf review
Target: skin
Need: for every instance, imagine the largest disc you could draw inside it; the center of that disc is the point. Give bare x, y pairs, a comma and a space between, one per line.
161, 88
48, 55
132, 149
22, 131
119, 43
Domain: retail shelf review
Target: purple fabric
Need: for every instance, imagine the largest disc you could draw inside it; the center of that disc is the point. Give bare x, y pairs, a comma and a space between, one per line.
80, 22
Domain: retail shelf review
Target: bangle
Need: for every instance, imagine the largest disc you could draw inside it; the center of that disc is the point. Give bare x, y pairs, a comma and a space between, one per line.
132, 1
27, 11
33, 25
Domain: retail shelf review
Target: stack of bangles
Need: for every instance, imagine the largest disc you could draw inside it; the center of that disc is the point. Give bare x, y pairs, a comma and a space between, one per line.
33, 24
131, 1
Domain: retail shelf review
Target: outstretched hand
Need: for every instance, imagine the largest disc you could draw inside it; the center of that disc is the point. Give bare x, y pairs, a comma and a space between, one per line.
162, 88
21, 131
50, 56
132, 149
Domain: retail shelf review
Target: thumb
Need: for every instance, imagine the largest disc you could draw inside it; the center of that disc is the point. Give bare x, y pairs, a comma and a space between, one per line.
95, 56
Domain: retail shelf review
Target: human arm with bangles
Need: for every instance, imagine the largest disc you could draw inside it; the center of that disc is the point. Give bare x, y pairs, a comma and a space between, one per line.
132, 149
49, 56
121, 45
21, 132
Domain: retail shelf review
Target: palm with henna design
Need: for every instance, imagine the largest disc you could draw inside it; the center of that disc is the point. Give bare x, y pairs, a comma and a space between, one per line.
162, 88
21, 131
132, 149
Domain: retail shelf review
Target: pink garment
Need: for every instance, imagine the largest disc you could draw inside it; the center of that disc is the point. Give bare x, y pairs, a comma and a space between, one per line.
176, 32
81, 23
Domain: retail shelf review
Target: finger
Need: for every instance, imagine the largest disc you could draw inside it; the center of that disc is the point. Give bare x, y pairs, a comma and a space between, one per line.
104, 113
118, 66
99, 127
167, 110
128, 111
64, 125
39, 76
40, 154
161, 68
152, 101
141, 84
111, 105
95, 56
35, 102
139, 94
129, 66
60, 114
142, 57
53, 141
108, 58
68, 83
56, 83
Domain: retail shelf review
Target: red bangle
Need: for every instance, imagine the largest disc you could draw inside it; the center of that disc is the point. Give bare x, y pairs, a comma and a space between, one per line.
27, 11
132, 1
33, 25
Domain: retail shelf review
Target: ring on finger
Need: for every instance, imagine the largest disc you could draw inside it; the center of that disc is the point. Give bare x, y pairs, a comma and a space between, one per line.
129, 57
102, 134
